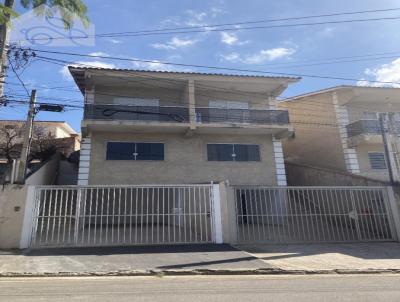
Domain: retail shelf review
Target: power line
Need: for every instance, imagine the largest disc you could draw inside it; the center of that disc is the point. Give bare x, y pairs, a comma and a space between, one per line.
212, 88
199, 66
236, 26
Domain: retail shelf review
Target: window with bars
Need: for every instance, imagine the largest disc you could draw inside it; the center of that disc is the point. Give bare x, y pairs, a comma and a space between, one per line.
134, 151
377, 160
233, 152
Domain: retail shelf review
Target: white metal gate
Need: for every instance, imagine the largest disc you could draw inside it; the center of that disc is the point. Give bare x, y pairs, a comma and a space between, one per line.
122, 215
312, 214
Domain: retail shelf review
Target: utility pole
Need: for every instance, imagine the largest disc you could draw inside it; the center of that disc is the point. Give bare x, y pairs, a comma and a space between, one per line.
27, 139
4, 31
387, 144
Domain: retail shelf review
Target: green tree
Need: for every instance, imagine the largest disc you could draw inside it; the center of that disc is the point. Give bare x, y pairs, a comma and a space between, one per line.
68, 9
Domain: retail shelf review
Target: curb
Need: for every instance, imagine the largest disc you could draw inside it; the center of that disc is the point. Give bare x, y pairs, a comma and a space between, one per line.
200, 272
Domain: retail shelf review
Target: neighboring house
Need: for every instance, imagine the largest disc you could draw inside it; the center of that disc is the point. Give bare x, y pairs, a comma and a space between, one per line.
143, 127
339, 128
44, 133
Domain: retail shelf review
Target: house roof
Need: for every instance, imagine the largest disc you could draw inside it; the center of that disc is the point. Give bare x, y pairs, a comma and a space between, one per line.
62, 124
334, 88
78, 74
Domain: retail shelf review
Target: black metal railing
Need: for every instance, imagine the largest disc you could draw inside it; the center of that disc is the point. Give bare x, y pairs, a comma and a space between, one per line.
137, 113
182, 115
363, 127
220, 115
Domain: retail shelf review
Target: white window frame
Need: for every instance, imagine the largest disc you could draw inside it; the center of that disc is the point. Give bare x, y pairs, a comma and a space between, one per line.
135, 142
233, 153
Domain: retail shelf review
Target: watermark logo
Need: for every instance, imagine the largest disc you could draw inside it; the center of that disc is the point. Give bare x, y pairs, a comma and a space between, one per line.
45, 26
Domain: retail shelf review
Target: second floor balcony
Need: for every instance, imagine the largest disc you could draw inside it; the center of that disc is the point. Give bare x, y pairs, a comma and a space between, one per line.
180, 114
363, 127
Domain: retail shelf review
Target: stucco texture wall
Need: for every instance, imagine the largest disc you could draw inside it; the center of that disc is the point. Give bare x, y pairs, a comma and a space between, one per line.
303, 175
365, 166
317, 139
185, 161
12, 207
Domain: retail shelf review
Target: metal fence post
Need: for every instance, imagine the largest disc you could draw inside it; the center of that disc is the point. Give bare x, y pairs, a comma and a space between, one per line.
216, 212
31, 208
395, 213
77, 214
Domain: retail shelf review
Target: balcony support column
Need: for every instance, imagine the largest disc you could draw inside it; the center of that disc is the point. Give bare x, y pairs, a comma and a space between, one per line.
192, 104
350, 154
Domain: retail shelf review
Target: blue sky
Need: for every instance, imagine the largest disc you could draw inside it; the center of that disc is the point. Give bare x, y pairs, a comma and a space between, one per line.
284, 50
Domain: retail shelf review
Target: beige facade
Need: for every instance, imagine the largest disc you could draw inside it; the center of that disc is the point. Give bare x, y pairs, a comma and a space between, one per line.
185, 161
338, 128
185, 112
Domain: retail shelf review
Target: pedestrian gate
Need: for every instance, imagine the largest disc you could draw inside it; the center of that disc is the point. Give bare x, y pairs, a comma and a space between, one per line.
312, 214
122, 215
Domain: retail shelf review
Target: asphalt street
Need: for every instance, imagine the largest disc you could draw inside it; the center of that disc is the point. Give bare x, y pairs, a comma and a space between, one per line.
204, 288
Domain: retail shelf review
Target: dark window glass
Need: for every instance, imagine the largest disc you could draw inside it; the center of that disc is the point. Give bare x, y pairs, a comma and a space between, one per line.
247, 152
377, 160
120, 151
220, 152
233, 152
150, 151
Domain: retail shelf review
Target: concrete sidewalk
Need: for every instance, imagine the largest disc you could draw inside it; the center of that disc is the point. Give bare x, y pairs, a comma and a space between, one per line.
329, 256
204, 259
128, 259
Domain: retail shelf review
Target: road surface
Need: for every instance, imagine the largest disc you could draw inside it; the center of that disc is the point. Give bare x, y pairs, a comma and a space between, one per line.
205, 288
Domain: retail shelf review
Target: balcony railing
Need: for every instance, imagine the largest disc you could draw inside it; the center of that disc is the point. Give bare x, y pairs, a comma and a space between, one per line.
137, 113
181, 114
363, 127
220, 115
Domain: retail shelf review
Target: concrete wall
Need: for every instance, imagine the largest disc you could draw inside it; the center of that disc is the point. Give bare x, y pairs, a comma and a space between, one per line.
365, 166
167, 96
185, 161
317, 140
303, 175
47, 174
12, 207
356, 109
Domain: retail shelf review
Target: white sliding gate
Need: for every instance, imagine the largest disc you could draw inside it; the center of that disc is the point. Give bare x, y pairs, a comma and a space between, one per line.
313, 214
122, 215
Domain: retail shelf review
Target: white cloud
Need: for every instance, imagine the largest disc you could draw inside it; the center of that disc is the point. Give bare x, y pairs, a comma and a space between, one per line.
115, 41
99, 54
67, 76
262, 56
232, 57
269, 55
231, 39
385, 73
175, 43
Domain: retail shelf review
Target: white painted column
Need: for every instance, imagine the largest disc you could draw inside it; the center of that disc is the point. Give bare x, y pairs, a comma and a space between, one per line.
350, 154
394, 210
28, 224
84, 162
279, 162
217, 219
278, 152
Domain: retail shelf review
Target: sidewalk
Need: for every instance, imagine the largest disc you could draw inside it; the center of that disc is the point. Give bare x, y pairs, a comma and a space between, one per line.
204, 259
329, 256
127, 260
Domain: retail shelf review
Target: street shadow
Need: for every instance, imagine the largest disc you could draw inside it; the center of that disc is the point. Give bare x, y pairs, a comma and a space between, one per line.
131, 250
367, 251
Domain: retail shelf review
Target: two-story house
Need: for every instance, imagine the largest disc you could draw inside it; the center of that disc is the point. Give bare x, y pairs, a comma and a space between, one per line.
340, 128
147, 127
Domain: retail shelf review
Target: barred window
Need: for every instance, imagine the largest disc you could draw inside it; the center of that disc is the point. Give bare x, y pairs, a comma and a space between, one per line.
377, 160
